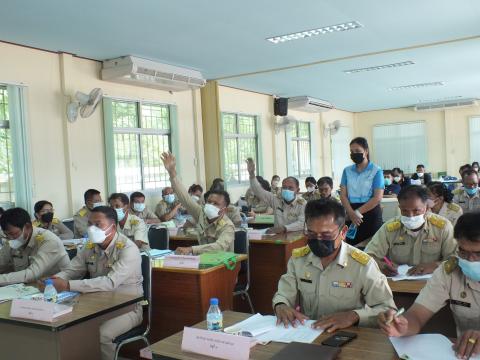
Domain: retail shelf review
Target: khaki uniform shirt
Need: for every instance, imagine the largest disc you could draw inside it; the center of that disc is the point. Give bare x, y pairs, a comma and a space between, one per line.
80, 222
449, 286
233, 214
352, 282
164, 208
467, 203
451, 212
216, 236
309, 196
144, 215
43, 256
134, 229
292, 215
277, 191
434, 242
56, 227
257, 205
118, 267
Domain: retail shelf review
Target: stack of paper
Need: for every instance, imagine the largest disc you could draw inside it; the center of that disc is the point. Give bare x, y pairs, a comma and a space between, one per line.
402, 274
264, 329
16, 291
425, 347
257, 234
158, 254
72, 242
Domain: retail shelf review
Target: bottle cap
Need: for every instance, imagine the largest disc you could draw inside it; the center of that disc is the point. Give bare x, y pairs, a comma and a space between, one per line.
48, 282
213, 301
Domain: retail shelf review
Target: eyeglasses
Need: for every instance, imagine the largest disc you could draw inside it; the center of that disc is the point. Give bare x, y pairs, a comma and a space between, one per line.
322, 236
474, 255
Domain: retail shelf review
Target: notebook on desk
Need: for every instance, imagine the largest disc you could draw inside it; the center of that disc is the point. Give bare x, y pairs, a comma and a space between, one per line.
304, 351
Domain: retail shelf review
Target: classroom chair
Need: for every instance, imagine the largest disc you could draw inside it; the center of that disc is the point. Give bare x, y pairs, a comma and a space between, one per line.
141, 331
158, 237
241, 246
68, 223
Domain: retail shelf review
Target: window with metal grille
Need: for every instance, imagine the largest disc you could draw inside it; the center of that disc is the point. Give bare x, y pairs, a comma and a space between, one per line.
141, 132
300, 149
7, 188
240, 137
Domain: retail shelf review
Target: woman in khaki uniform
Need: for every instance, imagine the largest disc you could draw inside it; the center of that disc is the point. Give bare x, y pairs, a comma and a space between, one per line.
44, 219
441, 202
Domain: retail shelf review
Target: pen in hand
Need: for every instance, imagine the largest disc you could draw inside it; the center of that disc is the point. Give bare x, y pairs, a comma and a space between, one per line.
397, 314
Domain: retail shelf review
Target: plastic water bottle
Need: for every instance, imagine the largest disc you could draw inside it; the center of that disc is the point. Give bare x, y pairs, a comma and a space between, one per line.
214, 316
50, 293
352, 231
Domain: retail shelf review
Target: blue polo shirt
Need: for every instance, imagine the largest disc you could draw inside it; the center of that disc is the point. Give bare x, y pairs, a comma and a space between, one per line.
361, 185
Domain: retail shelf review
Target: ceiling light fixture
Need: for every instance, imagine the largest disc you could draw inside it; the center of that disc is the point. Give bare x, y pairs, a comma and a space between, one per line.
379, 67
351, 25
441, 99
417, 86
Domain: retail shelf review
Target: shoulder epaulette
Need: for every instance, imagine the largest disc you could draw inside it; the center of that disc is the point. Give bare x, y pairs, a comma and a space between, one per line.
55, 221
453, 207
450, 265
438, 222
301, 201
299, 252
82, 212
39, 238
89, 245
360, 256
394, 226
120, 244
133, 222
221, 222
457, 191
36, 223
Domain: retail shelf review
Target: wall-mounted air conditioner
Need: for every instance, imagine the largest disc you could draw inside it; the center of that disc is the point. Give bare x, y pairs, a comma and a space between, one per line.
141, 72
309, 104
445, 105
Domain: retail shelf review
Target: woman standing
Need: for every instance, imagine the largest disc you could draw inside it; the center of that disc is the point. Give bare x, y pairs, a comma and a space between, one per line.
44, 219
361, 190
441, 202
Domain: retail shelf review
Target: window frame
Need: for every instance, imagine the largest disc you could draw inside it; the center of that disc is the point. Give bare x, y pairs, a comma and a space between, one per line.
237, 135
295, 140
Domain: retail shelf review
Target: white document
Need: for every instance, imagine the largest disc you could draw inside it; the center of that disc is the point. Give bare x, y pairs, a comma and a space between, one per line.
16, 291
424, 347
257, 234
158, 254
264, 329
72, 242
402, 274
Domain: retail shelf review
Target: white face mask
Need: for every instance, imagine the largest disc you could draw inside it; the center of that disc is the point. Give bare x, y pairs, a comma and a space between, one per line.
211, 211
413, 222
420, 175
138, 207
310, 189
120, 214
97, 235
17, 243
97, 204
195, 198
397, 179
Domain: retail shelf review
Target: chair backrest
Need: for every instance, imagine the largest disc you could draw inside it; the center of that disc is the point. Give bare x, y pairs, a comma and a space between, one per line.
158, 238
69, 224
147, 286
240, 246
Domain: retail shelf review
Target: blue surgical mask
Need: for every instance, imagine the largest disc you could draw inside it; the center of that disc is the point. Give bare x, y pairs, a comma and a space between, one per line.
388, 182
471, 191
139, 207
169, 199
470, 269
120, 214
288, 195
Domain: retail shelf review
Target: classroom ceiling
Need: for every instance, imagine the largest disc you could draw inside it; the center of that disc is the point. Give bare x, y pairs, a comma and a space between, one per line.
225, 40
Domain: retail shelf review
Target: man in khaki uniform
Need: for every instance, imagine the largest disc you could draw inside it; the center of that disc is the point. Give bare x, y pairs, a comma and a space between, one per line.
257, 206
129, 225
167, 208
215, 230
336, 284
44, 219
451, 212
288, 209
114, 264
138, 208
92, 199
455, 283
28, 253
468, 197
415, 238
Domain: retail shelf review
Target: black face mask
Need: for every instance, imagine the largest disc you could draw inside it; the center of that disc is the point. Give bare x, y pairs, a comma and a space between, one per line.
357, 158
321, 248
47, 217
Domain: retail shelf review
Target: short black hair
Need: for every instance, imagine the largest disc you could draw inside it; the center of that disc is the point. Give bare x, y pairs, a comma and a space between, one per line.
421, 166
16, 217
325, 180
387, 172
397, 169
362, 142
295, 180
89, 194
468, 173
40, 204
413, 191
121, 196
195, 188
475, 163
439, 189
217, 184
310, 179
135, 195
275, 177
223, 193
468, 227
110, 213
325, 207
264, 183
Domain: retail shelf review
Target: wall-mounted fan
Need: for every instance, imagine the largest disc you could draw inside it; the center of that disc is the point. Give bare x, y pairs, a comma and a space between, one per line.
84, 104
332, 128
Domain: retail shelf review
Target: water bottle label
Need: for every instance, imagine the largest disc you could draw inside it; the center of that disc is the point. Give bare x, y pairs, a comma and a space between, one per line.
216, 325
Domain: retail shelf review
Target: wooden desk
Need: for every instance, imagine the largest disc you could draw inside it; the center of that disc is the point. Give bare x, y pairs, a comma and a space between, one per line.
404, 294
370, 344
72, 336
182, 240
262, 221
268, 262
181, 297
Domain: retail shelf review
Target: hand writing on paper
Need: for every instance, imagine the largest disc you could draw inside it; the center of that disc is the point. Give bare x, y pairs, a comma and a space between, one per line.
422, 269
392, 325
288, 316
341, 320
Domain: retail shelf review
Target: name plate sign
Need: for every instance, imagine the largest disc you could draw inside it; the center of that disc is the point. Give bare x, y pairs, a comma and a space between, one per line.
38, 310
182, 261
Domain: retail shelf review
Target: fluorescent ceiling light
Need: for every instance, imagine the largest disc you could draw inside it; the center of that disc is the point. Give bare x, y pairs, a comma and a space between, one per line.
379, 67
351, 25
417, 86
441, 99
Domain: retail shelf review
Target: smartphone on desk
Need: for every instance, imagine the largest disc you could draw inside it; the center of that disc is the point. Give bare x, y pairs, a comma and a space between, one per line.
340, 338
